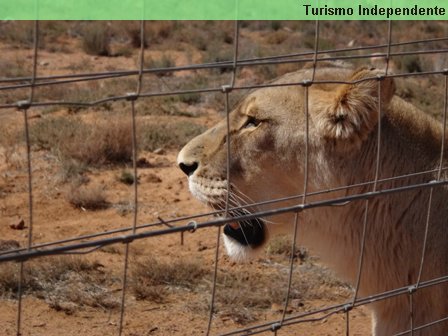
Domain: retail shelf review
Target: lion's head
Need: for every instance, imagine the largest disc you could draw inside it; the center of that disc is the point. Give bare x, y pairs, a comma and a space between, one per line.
267, 142
358, 131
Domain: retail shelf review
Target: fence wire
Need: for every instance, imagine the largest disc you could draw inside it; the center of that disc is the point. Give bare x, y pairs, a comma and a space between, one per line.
88, 243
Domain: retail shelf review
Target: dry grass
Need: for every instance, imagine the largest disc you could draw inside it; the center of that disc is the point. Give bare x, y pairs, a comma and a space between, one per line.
96, 39
17, 33
66, 283
90, 197
152, 279
243, 293
91, 144
277, 37
165, 61
14, 68
78, 144
174, 134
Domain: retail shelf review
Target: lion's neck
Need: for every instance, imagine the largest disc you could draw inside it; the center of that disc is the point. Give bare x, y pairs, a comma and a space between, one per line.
336, 232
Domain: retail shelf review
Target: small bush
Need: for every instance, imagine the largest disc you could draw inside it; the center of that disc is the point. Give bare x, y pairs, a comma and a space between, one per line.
174, 134
161, 63
410, 64
49, 133
87, 197
73, 170
276, 25
87, 144
216, 52
14, 68
152, 279
190, 98
64, 282
277, 37
96, 39
133, 32
18, 33
126, 177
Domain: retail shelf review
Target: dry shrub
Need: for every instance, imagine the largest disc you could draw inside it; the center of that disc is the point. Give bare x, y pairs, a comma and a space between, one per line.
165, 61
64, 282
126, 177
17, 33
96, 39
87, 197
277, 37
152, 279
158, 31
242, 293
14, 68
175, 134
79, 144
90, 144
108, 142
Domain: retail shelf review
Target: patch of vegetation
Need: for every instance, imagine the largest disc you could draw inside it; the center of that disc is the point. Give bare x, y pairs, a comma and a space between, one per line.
17, 33
277, 37
14, 68
152, 279
72, 169
89, 144
96, 39
124, 208
87, 197
216, 53
126, 177
133, 32
66, 283
409, 64
113, 249
160, 63
174, 134
241, 294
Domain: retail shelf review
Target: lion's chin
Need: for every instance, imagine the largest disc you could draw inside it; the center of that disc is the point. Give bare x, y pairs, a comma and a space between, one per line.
238, 252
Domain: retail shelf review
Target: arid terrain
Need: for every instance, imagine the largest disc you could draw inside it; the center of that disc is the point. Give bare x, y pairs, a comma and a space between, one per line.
83, 181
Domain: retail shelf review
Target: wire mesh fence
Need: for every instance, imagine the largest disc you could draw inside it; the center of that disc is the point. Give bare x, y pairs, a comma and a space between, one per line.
430, 181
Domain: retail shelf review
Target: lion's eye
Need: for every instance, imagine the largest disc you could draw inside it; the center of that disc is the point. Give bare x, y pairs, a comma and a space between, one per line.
252, 122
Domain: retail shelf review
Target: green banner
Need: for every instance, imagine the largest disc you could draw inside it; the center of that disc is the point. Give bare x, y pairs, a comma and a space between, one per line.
223, 9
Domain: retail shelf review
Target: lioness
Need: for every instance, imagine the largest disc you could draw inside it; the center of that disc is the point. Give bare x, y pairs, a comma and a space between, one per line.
267, 161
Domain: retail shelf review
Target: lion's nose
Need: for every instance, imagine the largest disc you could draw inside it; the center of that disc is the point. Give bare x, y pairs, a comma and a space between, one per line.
188, 168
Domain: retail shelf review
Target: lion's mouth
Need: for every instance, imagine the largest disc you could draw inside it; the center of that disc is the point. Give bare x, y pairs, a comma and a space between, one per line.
247, 232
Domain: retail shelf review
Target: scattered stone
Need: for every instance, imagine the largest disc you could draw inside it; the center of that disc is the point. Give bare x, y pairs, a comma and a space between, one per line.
18, 226
202, 248
153, 178
159, 151
6, 245
143, 163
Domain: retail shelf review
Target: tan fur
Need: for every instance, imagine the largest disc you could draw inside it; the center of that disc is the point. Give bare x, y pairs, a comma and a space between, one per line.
267, 162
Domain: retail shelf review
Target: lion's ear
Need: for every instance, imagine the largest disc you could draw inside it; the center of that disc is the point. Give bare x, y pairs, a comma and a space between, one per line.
346, 116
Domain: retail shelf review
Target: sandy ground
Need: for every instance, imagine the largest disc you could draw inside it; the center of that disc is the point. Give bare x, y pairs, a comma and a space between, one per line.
162, 193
